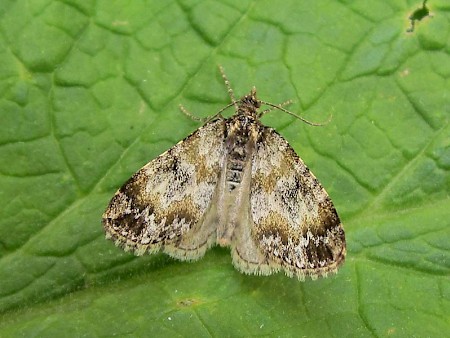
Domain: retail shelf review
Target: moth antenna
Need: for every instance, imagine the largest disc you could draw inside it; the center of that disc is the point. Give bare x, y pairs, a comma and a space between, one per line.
227, 84
219, 113
279, 107
234, 102
265, 111
192, 116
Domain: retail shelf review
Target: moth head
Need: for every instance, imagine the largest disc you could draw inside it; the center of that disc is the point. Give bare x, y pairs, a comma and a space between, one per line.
249, 103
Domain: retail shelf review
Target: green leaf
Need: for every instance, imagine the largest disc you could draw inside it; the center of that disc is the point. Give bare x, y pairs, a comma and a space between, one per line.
89, 92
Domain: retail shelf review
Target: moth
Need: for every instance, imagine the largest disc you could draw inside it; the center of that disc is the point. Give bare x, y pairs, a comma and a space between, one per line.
236, 183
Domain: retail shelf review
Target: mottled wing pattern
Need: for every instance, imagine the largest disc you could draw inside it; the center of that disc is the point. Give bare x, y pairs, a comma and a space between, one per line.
295, 225
168, 204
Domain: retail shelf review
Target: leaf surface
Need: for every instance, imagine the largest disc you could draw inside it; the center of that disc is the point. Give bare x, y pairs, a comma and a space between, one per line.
90, 93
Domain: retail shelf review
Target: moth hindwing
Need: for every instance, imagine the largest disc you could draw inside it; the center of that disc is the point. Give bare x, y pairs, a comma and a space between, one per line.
237, 183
